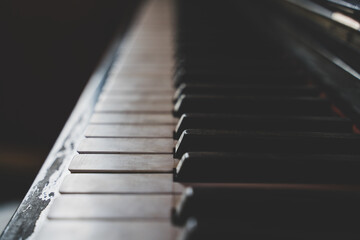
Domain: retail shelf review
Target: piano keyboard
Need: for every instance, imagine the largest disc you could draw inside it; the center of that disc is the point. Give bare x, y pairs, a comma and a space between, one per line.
246, 145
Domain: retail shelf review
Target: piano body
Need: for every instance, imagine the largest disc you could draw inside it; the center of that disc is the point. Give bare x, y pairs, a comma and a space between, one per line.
211, 120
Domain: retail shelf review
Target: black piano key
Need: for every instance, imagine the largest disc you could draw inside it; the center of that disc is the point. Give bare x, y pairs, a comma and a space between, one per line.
193, 140
299, 106
262, 123
268, 168
246, 90
239, 77
230, 229
267, 62
321, 207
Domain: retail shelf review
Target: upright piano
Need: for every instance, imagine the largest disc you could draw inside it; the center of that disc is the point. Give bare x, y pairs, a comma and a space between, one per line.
211, 119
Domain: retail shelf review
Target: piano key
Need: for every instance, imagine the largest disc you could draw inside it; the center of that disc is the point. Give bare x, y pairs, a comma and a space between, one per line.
126, 145
112, 207
95, 230
137, 78
227, 78
128, 118
212, 229
133, 100
266, 142
268, 168
124, 183
246, 90
304, 106
130, 91
151, 131
262, 123
273, 205
134, 107
122, 163
113, 96
130, 86
245, 72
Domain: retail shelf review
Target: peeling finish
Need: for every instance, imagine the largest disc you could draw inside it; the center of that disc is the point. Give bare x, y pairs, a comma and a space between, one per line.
32, 212
25, 219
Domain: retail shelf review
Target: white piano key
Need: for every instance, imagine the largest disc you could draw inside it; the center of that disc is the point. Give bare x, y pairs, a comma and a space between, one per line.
109, 230
122, 163
121, 183
135, 86
140, 90
117, 130
128, 118
135, 97
126, 145
134, 107
112, 206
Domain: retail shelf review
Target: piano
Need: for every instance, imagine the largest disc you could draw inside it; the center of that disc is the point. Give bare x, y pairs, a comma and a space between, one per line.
211, 120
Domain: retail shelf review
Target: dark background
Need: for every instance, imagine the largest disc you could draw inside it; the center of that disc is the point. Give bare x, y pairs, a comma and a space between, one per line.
48, 50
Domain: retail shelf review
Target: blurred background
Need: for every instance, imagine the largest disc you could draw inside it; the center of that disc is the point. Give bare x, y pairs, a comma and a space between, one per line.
48, 50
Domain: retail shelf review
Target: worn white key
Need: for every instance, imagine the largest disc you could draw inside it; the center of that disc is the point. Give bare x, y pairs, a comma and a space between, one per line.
113, 96
133, 107
109, 230
126, 145
117, 130
128, 118
111, 206
135, 86
121, 183
122, 163
111, 101
150, 90
139, 78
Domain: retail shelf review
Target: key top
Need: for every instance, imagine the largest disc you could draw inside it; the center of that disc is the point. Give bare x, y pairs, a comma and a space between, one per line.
274, 205
122, 163
111, 207
228, 78
268, 168
245, 90
134, 107
95, 230
125, 183
135, 118
126, 145
262, 123
266, 142
231, 229
253, 105
117, 130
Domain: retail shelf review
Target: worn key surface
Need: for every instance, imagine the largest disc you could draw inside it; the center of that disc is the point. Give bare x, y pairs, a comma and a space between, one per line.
134, 107
111, 207
126, 145
125, 183
95, 230
121, 163
155, 131
131, 118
